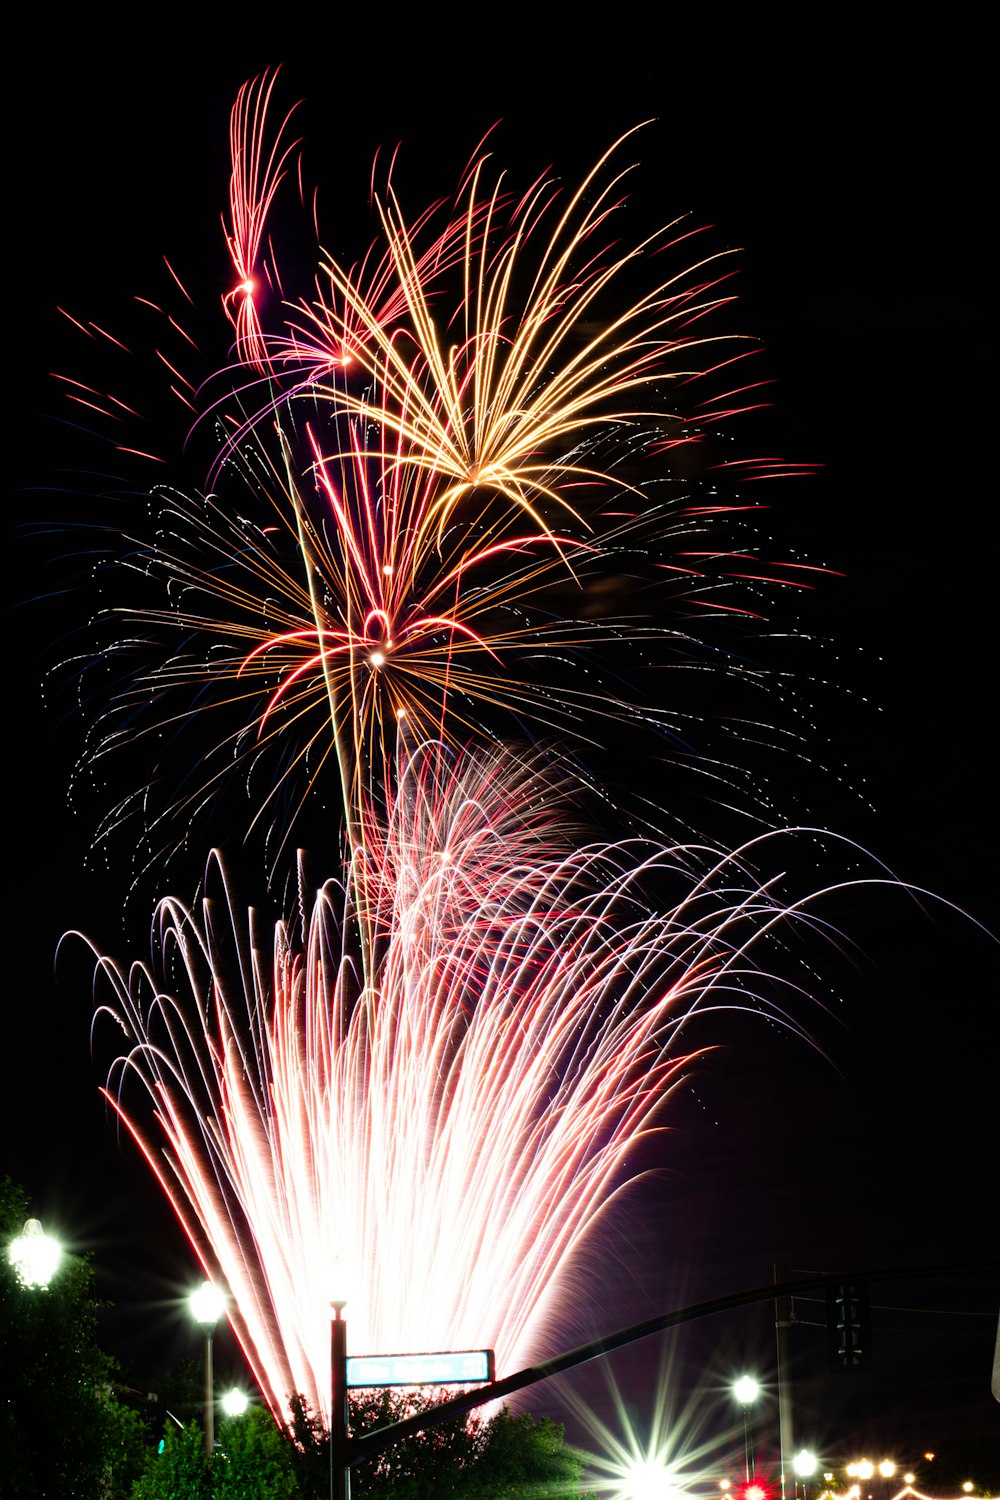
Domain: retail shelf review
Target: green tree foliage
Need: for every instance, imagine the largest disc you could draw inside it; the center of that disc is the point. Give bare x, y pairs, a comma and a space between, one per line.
126, 1450
525, 1458
178, 1469
437, 1462
505, 1457
252, 1460
61, 1431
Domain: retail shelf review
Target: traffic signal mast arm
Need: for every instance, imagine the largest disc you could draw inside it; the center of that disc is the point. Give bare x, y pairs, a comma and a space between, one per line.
372, 1443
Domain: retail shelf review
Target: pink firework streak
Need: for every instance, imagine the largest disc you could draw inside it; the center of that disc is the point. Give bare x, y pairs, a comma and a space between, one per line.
463, 1123
439, 1075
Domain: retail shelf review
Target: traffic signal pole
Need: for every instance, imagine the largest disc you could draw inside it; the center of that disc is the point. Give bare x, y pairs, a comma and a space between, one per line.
782, 1323
372, 1443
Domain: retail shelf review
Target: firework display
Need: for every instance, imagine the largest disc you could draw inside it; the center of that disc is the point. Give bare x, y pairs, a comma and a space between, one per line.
438, 1073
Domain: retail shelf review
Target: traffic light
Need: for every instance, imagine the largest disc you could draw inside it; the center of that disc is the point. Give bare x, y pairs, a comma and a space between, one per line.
848, 1325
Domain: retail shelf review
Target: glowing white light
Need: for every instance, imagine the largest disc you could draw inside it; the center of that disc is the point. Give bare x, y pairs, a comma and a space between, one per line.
377, 659
646, 1479
746, 1390
34, 1255
887, 1468
805, 1463
207, 1305
234, 1403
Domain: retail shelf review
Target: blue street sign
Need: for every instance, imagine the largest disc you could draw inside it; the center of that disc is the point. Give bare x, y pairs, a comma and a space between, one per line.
449, 1367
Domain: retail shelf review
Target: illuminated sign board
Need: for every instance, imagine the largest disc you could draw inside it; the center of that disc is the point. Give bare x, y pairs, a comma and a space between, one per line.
461, 1367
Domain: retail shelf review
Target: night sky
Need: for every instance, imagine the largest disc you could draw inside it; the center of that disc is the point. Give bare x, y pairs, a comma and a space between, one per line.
847, 160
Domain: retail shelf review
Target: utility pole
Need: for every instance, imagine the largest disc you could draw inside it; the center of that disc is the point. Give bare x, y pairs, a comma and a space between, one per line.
782, 1323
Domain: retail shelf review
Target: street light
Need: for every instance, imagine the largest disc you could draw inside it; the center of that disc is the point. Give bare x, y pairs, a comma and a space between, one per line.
34, 1255
235, 1402
646, 1479
340, 1474
207, 1305
805, 1466
746, 1390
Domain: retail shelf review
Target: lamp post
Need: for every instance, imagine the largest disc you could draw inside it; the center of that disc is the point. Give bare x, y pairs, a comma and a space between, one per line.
805, 1467
34, 1255
746, 1390
207, 1305
340, 1474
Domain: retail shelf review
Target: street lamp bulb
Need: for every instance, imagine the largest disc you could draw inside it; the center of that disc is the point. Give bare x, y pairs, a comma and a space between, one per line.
805, 1463
235, 1402
34, 1255
887, 1468
865, 1469
646, 1479
746, 1390
207, 1305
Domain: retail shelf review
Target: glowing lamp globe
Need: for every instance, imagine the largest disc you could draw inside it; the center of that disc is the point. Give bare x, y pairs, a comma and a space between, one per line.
746, 1390
805, 1463
207, 1305
34, 1255
234, 1403
645, 1479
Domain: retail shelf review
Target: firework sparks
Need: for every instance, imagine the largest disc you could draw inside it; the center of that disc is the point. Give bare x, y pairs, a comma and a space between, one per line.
413, 522
475, 1109
438, 1074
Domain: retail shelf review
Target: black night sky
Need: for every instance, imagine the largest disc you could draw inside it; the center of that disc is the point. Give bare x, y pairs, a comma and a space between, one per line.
846, 157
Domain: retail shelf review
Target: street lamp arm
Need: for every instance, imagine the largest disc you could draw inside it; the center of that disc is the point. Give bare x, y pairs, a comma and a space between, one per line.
372, 1443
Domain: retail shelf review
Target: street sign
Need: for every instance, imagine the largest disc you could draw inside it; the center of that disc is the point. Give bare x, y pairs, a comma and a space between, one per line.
448, 1367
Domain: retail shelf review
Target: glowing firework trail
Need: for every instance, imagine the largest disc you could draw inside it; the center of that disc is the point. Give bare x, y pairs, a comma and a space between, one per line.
257, 171
441, 1079
415, 522
526, 376
463, 1126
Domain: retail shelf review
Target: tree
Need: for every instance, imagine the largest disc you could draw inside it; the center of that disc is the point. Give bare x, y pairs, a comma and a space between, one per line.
252, 1460
505, 1457
525, 1458
61, 1430
178, 1468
